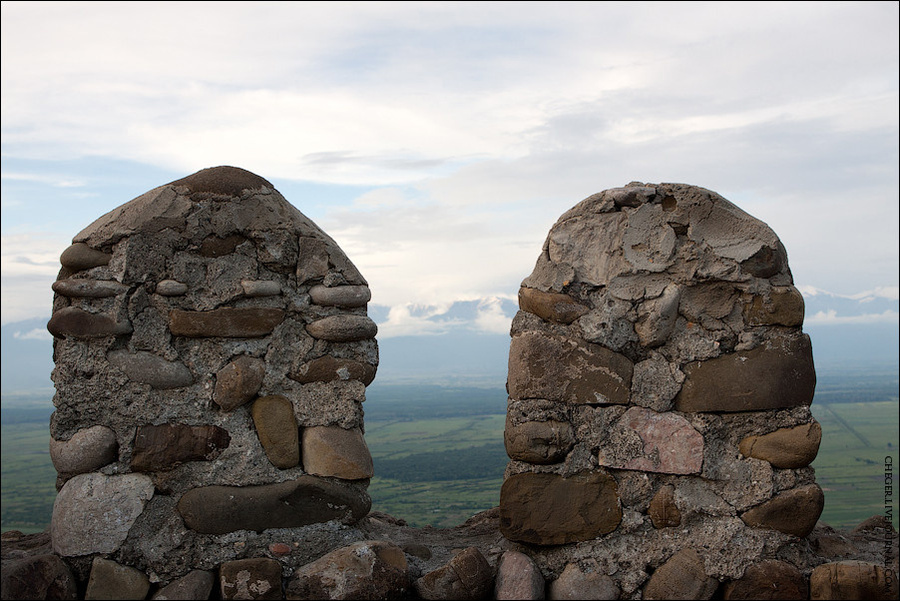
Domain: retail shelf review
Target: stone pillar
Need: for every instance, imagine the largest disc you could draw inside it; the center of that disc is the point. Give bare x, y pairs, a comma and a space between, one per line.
659, 389
212, 351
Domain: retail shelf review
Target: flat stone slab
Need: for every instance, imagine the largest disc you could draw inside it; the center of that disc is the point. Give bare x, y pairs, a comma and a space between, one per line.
778, 374
305, 500
227, 322
329, 369
785, 448
80, 256
336, 452
347, 297
567, 371
78, 323
151, 369
164, 447
94, 512
88, 288
644, 440
547, 509
276, 427
343, 328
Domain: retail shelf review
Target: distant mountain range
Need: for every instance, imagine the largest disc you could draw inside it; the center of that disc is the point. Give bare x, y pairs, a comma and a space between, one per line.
467, 342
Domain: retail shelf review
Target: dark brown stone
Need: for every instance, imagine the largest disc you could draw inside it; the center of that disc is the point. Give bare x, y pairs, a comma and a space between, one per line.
336, 452
765, 580
162, 448
567, 371
778, 374
329, 369
299, 502
782, 306
467, 576
787, 448
213, 246
343, 328
276, 427
78, 323
111, 580
222, 181
226, 323
238, 382
551, 306
852, 580
38, 577
80, 256
363, 570
195, 585
682, 576
255, 578
663, 511
88, 288
547, 509
538, 442
792, 512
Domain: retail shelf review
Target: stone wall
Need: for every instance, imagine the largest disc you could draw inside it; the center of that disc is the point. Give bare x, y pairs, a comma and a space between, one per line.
659, 385
212, 350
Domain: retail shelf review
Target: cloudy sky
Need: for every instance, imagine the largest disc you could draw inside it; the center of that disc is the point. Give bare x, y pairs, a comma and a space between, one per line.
438, 142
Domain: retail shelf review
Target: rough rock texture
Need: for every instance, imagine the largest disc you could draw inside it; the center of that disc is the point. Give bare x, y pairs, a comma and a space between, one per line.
575, 584
111, 580
363, 570
180, 319
467, 576
852, 580
256, 578
518, 578
769, 579
38, 577
659, 346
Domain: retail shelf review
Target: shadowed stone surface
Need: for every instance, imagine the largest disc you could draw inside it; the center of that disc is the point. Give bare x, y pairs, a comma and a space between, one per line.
196, 585
467, 576
343, 328
238, 382
518, 577
305, 500
87, 450
852, 580
363, 570
222, 181
778, 374
276, 427
653, 442
783, 306
663, 511
329, 369
551, 306
567, 371
227, 322
164, 447
768, 580
151, 369
547, 509
38, 577
78, 323
682, 576
538, 442
111, 580
792, 512
336, 452
93, 513
88, 288
255, 578
785, 448
574, 584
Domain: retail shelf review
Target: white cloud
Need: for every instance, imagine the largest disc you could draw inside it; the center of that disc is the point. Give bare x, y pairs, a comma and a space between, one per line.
831, 317
36, 334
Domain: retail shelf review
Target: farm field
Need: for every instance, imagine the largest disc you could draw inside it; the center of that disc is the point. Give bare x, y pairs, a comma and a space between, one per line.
439, 455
